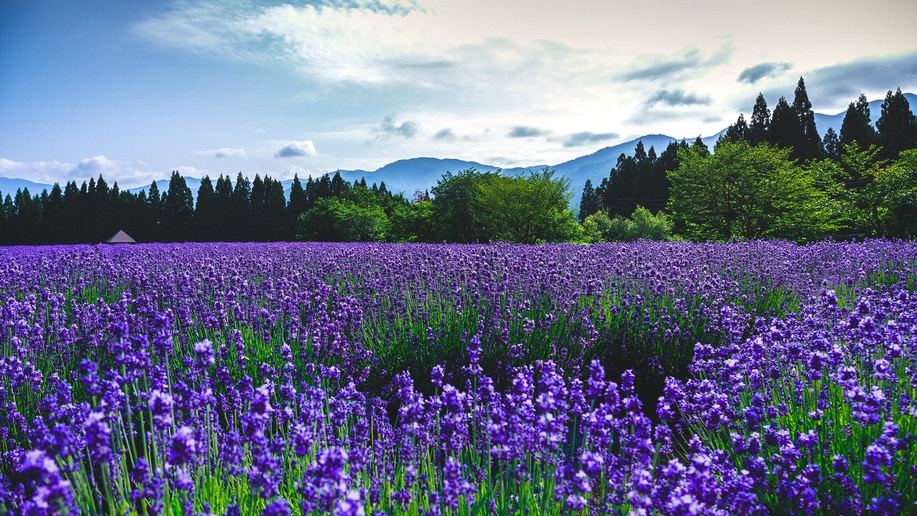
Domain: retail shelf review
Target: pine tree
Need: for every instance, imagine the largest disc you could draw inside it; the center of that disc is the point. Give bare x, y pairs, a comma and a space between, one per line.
241, 208
737, 131
273, 211
784, 130
897, 126
760, 121
204, 215
809, 146
856, 127
178, 209
223, 225
296, 207
832, 145
589, 203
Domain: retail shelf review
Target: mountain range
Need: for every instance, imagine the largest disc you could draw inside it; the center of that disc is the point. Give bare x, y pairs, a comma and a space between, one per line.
410, 175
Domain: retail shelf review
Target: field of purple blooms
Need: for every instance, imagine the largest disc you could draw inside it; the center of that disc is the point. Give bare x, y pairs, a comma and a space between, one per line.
277, 379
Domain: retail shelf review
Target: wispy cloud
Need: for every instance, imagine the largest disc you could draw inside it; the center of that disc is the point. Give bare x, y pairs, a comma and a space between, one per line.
753, 74
389, 128
296, 149
586, 138
125, 173
843, 82
446, 134
526, 132
690, 61
224, 152
677, 98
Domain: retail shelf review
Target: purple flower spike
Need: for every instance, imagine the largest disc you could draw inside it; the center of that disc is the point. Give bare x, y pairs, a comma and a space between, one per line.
184, 447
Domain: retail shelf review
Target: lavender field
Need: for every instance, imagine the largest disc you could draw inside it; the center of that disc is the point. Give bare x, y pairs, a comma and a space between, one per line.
645, 378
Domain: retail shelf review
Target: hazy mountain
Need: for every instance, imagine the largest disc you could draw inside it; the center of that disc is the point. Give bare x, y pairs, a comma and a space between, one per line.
823, 122
9, 186
163, 185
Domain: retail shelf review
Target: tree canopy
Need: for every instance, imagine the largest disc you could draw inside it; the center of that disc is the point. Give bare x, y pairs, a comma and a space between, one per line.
742, 191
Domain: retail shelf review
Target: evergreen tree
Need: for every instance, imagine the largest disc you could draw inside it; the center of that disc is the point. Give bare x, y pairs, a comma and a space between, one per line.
809, 146
178, 209
154, 212
204, 213
54, 216
223, 229
897, 126
737, 131
784, 130
338, 187
296, 207
700, 147
323, 188
760, 121
589, 202
268, 211
856, 127
832, 145
241, 208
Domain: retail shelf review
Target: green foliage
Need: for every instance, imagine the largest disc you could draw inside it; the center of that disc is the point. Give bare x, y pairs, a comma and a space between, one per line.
646, 226
745, 192
343, 220
453, 214
413, 223
862, 199
597, 228
524, 209
897, 186
643, 225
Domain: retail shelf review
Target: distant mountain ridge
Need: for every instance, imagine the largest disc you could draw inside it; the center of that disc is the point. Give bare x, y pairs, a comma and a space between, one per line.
410, 175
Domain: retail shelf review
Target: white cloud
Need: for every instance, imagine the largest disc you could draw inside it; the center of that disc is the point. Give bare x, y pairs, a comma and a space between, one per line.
38, 171
224, 152
388, 128
296, 149
569, 69
124, 173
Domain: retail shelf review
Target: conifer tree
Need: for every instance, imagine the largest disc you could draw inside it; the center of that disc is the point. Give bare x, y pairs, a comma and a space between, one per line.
809, 146
784, 130
760, 121
204, 211
737, 131
296, 207
832, 145
241, 208
178, 209
223, 226
897, 126
589, 202
856, 127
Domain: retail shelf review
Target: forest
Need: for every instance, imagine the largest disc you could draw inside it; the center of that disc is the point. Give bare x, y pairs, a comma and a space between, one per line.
772, 176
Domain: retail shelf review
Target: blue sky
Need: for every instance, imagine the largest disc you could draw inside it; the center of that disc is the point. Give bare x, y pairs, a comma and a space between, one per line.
134, 89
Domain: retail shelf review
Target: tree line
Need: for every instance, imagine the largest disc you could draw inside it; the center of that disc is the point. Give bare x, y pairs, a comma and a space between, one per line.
468, 206
244, 210
772, 177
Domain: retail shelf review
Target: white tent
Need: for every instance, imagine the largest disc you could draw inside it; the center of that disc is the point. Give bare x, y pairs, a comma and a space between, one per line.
121, 238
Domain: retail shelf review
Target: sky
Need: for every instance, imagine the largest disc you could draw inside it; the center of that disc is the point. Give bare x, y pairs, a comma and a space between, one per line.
133, 89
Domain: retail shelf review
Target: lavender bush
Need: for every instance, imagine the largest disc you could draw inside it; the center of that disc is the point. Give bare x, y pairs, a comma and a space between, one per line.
653, 378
